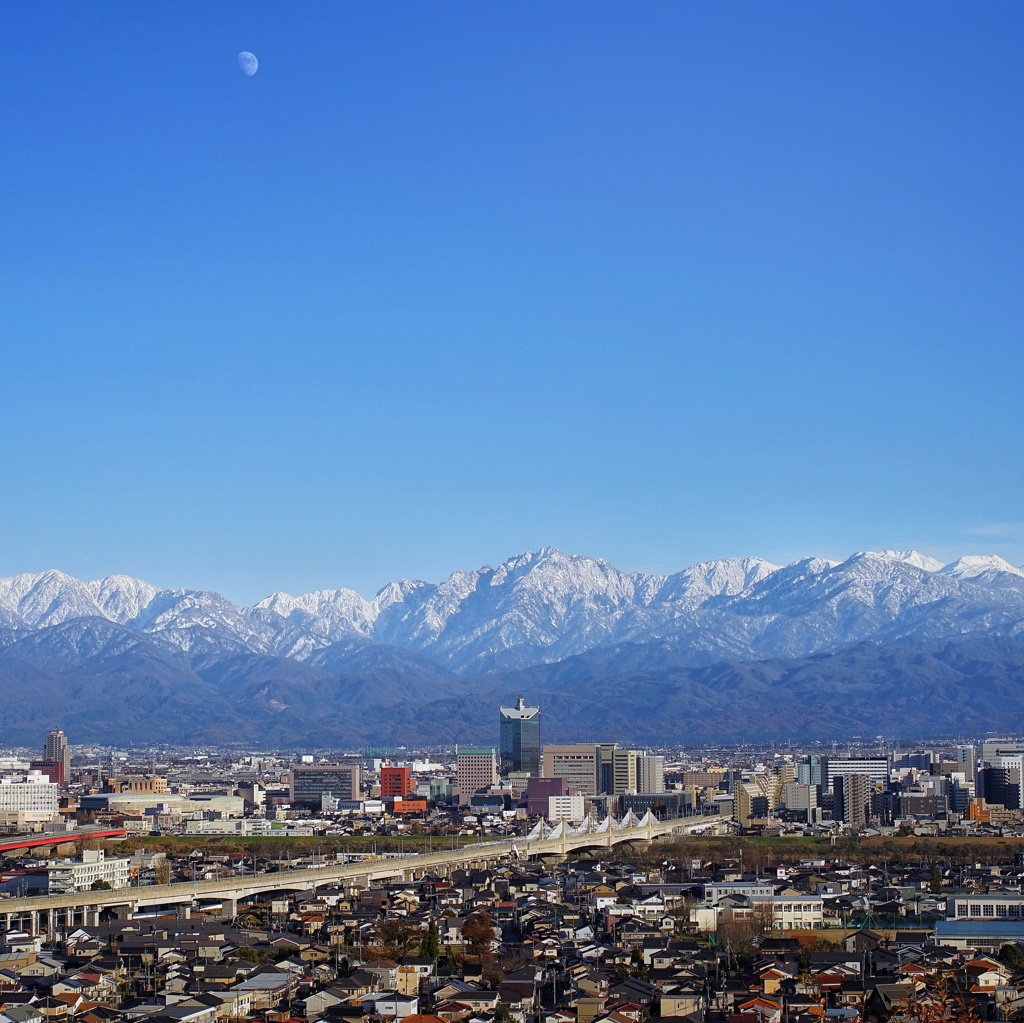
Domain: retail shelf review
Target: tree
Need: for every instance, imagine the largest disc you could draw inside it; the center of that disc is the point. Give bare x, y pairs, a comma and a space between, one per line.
935, 885
514, 959
99, 885
397, 939
636, 957
1012, 955
478, 933
430, 946
162, 871
249, 954
940, 1003
682, 912
446, 964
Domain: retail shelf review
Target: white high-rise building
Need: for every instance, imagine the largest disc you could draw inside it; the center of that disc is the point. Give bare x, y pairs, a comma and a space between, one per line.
650, 774
967, 755
566, 808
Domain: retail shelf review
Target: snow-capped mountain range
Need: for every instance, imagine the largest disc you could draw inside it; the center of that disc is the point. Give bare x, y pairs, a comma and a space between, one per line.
540, 608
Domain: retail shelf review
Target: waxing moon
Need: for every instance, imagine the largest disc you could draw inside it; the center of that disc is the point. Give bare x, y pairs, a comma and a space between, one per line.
248, 63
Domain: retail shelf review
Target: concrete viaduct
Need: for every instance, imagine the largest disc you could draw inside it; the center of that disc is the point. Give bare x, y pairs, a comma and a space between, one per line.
56, 913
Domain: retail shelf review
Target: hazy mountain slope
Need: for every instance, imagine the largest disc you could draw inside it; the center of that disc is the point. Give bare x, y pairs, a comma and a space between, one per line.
128, 698
355, 656
636, 693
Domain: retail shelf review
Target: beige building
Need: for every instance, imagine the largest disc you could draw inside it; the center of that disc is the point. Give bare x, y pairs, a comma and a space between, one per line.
147, 784
476, 769
577, 763
624, 771
566, 808
650, 773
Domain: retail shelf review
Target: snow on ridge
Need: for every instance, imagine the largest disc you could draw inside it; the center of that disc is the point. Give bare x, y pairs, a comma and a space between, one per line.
545, 605
47, 598
723, 577
925, 562
122, 598
973, 566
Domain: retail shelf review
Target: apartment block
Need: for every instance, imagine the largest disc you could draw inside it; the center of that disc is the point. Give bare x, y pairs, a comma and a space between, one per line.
476, 769
650, 774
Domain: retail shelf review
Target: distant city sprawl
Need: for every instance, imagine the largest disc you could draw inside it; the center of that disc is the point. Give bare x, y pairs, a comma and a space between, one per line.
520, 881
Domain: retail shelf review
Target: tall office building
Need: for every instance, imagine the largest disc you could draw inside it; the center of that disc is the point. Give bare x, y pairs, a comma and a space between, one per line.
650, 774
57, 751
750, 803
808, 771
476, 769
624, 771
993, 749
801, 801
966, 756
27, 800
875, 768
852, 799
520, 739
311, 782
606, 768
1000, 785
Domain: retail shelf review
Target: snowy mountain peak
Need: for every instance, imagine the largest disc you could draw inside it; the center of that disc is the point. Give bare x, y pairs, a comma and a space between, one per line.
122, 598
329, 614
725, 577
47, 598
984, 568
545, 605
922, 561
399, 592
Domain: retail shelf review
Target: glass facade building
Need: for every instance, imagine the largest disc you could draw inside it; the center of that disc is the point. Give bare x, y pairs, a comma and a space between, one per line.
519, 745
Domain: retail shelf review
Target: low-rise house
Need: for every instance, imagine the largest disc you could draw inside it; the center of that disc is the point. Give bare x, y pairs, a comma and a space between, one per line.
393, 1004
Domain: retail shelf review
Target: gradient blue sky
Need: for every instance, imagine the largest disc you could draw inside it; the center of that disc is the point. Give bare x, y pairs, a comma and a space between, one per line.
448, 281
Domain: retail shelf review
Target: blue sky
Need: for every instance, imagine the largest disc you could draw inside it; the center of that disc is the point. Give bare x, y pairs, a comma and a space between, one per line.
444, 282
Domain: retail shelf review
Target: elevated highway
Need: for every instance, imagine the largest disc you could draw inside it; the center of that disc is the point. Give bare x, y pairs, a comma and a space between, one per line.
56, 913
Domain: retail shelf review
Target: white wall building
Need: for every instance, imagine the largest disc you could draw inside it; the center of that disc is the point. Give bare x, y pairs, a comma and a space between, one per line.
791, 912
566, 808
714, 891
80, 875
28, 799
976, 906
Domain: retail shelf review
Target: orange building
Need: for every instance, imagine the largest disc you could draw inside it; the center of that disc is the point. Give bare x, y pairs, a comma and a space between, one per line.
978, 811
396, 781
397, 806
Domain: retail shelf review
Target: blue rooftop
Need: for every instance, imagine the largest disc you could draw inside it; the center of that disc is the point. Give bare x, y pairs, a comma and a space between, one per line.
970, 928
